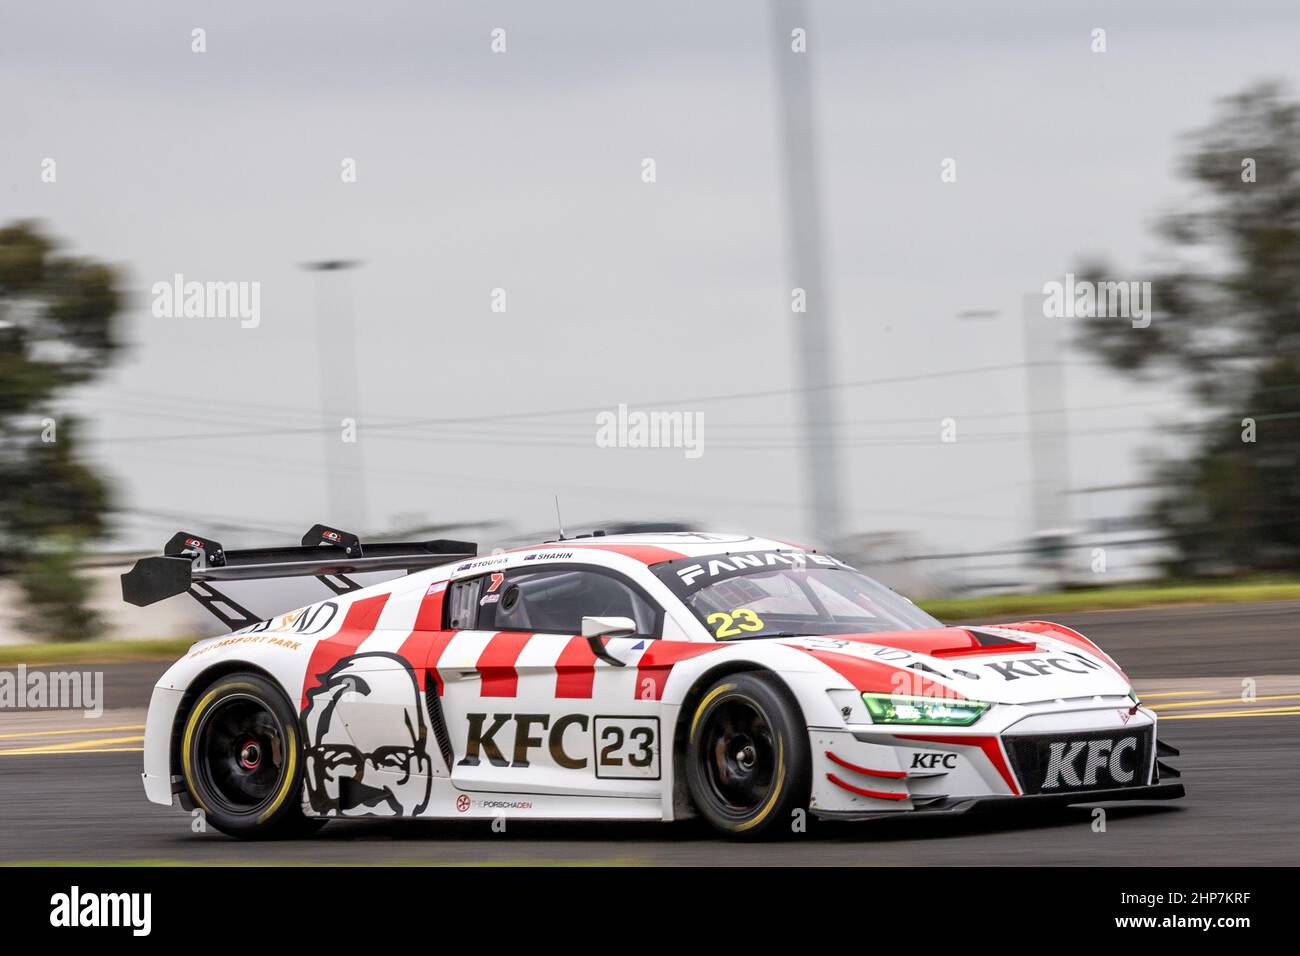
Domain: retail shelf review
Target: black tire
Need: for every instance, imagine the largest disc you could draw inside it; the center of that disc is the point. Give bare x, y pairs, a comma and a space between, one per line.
242, 761
747, 756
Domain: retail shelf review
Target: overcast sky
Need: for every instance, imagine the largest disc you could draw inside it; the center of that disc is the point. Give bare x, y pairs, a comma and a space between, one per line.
522, 171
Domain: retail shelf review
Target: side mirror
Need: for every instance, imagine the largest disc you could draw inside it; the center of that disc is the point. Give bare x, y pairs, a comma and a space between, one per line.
594, 628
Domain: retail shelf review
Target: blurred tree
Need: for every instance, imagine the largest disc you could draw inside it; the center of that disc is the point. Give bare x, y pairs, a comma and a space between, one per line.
1226, 321
56, 331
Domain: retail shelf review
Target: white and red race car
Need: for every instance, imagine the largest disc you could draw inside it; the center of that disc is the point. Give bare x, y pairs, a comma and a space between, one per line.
635, 677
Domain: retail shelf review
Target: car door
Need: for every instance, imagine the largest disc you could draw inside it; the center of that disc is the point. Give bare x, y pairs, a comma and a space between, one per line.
530, 708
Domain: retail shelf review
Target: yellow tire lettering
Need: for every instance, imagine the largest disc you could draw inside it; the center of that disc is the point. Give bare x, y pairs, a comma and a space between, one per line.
709, 698
187, 764
776, 790
291, 743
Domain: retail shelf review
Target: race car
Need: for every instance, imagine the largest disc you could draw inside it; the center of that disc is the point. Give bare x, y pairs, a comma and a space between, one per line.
748, 681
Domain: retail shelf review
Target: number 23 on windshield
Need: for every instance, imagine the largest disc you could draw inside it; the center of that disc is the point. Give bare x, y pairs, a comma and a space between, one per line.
740, 620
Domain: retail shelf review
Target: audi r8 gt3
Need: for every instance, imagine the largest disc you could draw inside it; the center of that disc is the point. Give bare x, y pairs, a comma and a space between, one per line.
632, 677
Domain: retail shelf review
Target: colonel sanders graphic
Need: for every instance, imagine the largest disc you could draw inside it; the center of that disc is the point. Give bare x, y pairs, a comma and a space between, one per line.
365, 735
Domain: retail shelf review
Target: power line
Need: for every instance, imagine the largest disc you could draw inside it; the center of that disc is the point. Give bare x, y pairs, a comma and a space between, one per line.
778, 443
159, 407
586, 409
640, 495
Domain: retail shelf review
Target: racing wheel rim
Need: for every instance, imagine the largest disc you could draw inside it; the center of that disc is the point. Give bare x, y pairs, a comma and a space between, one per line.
240, 754
738, 756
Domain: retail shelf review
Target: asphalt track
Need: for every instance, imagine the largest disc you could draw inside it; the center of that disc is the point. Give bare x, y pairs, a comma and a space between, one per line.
74, 795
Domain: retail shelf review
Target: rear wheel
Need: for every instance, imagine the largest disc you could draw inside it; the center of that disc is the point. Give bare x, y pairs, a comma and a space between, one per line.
242, 760
747, 759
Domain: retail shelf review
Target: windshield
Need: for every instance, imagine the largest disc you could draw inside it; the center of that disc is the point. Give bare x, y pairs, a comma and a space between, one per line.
784, 593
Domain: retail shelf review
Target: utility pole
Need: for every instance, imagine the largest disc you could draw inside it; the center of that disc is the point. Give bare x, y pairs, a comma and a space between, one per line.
336, 346
812, 332
1048, 435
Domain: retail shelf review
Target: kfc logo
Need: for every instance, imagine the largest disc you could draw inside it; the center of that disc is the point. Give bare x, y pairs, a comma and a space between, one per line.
1065, 770
933, 760
1040, 667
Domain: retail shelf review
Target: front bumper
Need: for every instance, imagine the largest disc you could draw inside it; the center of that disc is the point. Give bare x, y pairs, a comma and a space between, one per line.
1017, 755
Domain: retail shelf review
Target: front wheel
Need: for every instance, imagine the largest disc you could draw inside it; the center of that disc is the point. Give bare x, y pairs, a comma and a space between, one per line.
747, 757
242, 760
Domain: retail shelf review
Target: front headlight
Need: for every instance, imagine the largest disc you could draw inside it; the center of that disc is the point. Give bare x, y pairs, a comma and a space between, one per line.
901, 709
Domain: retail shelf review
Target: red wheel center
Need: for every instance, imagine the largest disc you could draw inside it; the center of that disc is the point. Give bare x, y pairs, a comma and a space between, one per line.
250, 755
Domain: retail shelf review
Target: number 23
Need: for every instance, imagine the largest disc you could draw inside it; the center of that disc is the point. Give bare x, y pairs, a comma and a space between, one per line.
729, 625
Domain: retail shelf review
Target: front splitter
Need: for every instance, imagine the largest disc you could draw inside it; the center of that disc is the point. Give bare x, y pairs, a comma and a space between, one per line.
960, 805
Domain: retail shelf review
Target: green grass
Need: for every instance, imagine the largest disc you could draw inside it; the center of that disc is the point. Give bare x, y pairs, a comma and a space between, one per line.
526, 862
1039, 606
991, 609
94, 652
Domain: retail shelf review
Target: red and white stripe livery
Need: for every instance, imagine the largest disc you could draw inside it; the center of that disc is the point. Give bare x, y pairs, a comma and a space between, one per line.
469, 690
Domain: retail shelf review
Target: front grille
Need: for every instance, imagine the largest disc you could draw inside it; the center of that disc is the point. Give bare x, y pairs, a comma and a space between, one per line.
1065, 763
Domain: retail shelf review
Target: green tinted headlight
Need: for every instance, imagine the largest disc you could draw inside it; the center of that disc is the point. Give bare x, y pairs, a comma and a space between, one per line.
901, 709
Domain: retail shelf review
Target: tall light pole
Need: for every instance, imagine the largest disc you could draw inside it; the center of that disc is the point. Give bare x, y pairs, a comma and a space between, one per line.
1049, 443
336, 349
797, 136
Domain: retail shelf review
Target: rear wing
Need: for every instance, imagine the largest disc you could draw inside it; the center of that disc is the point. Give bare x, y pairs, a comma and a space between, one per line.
189, 563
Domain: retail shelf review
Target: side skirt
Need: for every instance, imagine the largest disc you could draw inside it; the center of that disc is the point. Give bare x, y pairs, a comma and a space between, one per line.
447, 802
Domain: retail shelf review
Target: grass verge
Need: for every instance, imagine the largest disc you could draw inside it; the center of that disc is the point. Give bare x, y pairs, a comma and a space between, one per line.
1039, 606
93, 652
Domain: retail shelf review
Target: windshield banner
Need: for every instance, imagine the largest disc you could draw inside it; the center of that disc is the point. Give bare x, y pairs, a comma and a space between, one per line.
688, 575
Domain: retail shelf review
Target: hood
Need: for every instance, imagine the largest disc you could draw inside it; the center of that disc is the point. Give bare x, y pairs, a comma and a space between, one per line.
993, 664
